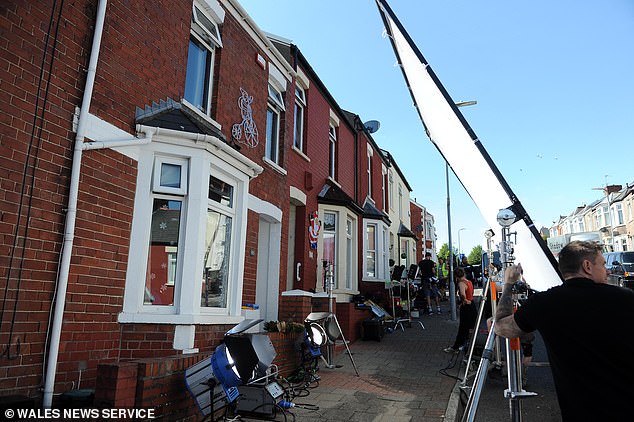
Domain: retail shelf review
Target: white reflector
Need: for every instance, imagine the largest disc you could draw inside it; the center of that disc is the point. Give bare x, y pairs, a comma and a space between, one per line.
460, 147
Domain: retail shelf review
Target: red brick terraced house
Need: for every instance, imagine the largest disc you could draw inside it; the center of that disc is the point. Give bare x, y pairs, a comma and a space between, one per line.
161, 165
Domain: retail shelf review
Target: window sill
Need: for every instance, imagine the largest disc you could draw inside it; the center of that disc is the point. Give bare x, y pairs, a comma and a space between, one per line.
373, 280
334, 181
346, 291
157, 318
275, 166
301, 153
199, 113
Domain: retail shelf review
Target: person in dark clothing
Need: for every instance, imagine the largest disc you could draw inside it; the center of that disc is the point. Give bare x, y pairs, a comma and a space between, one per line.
468, 269
468, 313
587, 328
428, 283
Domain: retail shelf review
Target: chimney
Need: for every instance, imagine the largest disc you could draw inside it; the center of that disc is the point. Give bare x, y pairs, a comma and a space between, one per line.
613, 188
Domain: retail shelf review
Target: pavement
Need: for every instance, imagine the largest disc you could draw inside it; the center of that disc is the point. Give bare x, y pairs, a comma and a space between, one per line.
406, 377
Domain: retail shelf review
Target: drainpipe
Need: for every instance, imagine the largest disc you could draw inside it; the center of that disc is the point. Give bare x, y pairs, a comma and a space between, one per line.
71, 213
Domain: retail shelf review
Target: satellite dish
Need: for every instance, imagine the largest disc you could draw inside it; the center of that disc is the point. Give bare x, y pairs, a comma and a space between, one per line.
372, 125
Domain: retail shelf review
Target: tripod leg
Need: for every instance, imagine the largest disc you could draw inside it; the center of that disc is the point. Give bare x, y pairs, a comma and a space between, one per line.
475, 330
346, 344
474, 397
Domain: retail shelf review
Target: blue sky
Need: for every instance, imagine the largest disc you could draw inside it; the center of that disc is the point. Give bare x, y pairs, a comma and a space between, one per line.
553, 82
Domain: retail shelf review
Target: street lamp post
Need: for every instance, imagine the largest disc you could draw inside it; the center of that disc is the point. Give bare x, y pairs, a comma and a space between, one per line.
608, 218
460, 247
452, 285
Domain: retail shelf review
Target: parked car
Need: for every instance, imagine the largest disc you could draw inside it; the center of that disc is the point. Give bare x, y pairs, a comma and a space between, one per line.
621, 266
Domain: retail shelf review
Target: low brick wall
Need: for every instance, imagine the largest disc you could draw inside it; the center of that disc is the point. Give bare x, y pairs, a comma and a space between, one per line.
159, 383
350, 319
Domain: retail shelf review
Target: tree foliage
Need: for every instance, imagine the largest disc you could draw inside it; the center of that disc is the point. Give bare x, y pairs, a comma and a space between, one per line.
444, 252
475, 256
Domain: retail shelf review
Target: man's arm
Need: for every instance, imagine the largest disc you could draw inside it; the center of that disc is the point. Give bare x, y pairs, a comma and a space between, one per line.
505, 324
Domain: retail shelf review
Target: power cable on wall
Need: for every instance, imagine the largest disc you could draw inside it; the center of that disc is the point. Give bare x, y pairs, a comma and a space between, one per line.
32, 156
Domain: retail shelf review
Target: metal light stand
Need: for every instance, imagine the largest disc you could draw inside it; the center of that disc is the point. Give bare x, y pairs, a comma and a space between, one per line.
490, 285
513, 355
475, 332
493, 277
408, 320
513, 351
330, 286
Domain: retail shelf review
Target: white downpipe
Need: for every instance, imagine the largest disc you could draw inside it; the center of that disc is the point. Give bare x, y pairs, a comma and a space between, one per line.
71, 213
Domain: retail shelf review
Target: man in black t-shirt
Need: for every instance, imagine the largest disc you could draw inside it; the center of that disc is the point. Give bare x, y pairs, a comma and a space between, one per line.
429, 282
587, 328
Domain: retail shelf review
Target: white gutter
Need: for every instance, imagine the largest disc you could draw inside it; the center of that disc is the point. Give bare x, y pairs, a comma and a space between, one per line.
71, 212
253, 168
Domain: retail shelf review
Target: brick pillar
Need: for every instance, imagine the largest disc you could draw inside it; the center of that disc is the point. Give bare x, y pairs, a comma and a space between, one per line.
295, 306
117, 385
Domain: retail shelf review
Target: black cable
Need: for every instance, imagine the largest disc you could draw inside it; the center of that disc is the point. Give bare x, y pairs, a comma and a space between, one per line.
38, 114
307, 406
451, 365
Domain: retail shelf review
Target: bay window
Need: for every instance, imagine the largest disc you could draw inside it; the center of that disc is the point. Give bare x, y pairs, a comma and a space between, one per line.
188, 234
375, 251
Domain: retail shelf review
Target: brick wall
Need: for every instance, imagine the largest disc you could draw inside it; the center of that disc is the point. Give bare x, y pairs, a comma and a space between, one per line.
350, 320
417, 220
295, 308
159, 384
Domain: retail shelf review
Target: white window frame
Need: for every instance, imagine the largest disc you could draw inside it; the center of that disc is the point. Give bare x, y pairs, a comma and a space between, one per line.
203, 162
400, 202
382, 269
383, 192
275, 106
206, 24
158, 165
227, 211
391, 190
172, 266
332, 151
299, 117
618, 210
206, 18
349, 252
341, 269
369, 171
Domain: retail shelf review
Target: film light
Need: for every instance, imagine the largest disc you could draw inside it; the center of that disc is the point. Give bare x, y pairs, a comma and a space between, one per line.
239, 360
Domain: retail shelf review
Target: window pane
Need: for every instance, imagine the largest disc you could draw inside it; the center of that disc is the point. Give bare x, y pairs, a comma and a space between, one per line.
348, 254
220, 191
331, 155
299, 125
330, 245
197, 78
371, 251
163, 252
216, 260
170, 175
276, 97
370, 264
329, 248
329, 221
371, 237
271, 134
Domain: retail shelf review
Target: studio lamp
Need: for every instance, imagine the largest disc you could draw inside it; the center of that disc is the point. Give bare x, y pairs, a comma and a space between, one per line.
239, 360
224, 367
322, 328
506, 217
314, 338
